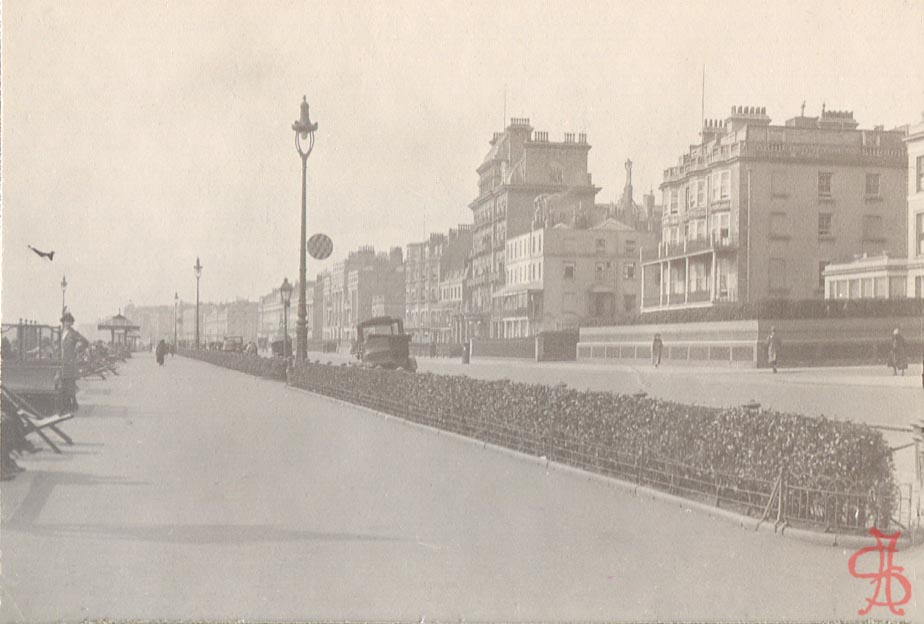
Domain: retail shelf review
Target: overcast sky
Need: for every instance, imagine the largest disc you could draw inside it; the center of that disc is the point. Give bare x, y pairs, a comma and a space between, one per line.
138, 135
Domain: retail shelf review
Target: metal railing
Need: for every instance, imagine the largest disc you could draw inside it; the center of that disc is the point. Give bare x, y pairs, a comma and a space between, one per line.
781, 501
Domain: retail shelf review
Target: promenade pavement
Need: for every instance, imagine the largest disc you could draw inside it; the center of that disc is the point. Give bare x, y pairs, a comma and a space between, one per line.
194, 492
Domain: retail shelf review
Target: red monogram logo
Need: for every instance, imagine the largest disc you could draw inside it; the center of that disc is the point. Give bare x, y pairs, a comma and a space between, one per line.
882, 578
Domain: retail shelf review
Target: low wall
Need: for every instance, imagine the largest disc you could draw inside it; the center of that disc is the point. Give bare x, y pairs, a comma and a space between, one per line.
556, 346
808, 342
441, 349
522, 348
828, 342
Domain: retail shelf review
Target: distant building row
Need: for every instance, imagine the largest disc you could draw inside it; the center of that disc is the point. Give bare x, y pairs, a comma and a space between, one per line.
752, 211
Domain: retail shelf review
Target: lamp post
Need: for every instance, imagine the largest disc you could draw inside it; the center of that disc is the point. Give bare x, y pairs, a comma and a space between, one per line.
285, 295
198, 270
303, 129
63, 292
176, 305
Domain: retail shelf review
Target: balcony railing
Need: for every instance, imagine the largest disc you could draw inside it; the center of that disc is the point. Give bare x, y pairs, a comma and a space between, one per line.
688, 247
725, 242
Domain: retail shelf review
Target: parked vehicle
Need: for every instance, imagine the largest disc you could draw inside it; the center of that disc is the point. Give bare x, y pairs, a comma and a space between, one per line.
279, 349
382, 343
233, 343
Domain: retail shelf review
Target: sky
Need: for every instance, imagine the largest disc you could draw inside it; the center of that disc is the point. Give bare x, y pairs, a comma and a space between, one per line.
138, 136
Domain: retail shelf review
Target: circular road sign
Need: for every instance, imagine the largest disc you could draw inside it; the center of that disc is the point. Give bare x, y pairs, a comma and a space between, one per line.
320, 246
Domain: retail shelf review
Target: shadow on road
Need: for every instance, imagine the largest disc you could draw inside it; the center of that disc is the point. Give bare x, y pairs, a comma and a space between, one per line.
42, 484
201, 533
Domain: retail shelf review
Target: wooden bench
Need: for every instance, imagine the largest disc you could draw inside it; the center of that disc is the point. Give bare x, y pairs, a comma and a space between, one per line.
31, 392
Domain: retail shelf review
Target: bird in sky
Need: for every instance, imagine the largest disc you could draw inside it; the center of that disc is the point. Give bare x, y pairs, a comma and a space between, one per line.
42, 254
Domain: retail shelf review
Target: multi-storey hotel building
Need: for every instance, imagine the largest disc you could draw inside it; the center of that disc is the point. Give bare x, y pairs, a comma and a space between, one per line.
520, 166
884, 276
757, 211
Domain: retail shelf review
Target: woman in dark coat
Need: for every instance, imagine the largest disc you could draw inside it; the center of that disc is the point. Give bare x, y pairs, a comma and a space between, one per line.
160, 352
898, 359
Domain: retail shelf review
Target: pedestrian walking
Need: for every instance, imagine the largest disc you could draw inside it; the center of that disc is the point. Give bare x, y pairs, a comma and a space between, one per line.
898, 358
657, 348
71, 342
160, 351
774, 347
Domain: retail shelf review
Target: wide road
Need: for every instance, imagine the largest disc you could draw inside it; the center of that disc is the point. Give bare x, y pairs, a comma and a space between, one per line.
194, 492
868, 394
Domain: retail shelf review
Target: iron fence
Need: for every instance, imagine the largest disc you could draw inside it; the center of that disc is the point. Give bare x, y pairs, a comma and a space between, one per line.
799, 500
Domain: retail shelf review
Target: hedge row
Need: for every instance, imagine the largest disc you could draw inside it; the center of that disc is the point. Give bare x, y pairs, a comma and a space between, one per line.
271, 368
746, 450
772, 309
813, 452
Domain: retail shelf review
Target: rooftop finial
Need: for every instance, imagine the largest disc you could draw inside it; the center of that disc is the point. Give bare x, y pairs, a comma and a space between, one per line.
802, 114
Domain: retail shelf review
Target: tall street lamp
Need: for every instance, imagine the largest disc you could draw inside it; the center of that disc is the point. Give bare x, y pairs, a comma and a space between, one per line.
285, 295
63, 292
198, 270
303, 129
176, 305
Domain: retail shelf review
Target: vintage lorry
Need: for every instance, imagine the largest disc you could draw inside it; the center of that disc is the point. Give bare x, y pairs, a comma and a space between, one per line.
382, 343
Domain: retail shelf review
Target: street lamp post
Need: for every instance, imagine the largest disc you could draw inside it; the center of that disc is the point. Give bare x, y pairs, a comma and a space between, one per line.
198, 270
303, 129
285, 294
176, 305
63, 292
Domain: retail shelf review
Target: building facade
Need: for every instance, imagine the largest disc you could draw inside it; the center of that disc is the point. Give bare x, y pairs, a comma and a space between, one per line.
422, 278
155, 322
562, 276
888, 276
272, 318
757, 211
349, 288
187, 322
520, 166
434, 299
234, 319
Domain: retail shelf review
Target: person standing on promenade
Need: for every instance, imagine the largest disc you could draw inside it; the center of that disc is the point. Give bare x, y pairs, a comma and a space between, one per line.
657, 347
71, 341
774, 346
160, 351
898, 359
